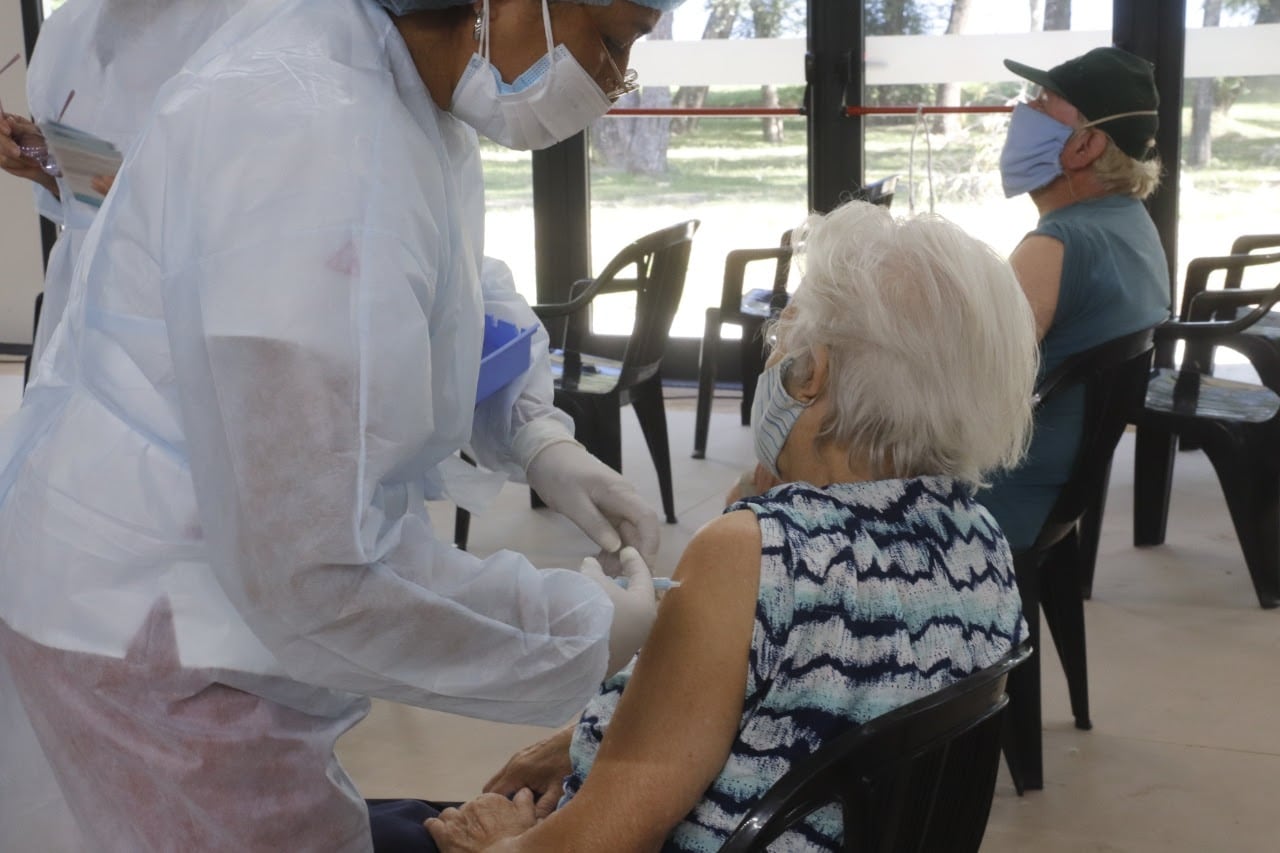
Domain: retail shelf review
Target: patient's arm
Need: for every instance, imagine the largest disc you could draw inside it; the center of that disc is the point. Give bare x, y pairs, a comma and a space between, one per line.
675, 723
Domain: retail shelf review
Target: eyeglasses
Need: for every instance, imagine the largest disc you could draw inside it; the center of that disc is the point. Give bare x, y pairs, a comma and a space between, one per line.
627, 82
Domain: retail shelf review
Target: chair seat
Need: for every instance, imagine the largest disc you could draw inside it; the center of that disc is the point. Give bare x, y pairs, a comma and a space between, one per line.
757, 302
597, 375
1213, 397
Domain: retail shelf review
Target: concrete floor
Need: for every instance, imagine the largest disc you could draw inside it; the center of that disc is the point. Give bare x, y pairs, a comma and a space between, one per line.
1184, 679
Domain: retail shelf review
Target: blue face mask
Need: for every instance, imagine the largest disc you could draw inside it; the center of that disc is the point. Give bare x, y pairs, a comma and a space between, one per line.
1032, 155
773, 413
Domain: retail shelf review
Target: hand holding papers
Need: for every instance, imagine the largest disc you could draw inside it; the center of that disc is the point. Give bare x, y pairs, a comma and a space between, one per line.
81, 157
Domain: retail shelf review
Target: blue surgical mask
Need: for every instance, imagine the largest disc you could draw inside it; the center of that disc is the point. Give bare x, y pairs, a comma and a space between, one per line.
1032, 155
773, 414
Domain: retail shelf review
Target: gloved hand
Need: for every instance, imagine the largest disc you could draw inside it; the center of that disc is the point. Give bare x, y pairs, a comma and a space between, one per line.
593, 496
634, 608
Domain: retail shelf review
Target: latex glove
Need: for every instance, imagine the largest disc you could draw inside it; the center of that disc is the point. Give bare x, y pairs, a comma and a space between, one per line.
593, 496
634, 608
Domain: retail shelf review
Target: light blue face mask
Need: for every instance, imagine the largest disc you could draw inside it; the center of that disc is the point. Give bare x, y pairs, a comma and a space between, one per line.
1032, 154
773, 414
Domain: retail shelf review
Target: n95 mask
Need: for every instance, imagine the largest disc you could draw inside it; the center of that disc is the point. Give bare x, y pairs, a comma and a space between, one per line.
550, 102
773, 414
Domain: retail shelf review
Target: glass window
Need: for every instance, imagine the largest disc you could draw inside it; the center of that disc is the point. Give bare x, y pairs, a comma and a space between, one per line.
744, 177
950, 163
1231, 140
508, 224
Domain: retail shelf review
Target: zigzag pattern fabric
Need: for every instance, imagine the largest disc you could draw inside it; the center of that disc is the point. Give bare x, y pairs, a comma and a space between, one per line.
871, 595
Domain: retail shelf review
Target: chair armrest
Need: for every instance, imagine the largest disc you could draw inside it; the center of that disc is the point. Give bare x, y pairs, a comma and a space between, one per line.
1209, 330
1076, 366
1211, 303
1199, 269
587, 289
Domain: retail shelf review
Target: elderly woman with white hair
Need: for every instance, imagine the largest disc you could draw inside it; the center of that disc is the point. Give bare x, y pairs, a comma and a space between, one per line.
867, 578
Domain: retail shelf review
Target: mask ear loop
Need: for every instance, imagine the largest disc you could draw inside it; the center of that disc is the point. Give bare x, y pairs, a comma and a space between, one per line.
546, 27
484, 30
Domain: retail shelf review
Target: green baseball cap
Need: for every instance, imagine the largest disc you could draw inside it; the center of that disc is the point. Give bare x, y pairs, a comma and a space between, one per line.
1105, 82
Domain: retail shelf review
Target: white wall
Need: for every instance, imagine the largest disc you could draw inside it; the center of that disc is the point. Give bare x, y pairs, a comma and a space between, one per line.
20, 269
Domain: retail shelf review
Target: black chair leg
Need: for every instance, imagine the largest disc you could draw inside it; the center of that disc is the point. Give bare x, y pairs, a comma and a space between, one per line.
752, 360
1064, 614
646, 399
707, 355
1022, 732
1090, 532
1154, 449
1252, 490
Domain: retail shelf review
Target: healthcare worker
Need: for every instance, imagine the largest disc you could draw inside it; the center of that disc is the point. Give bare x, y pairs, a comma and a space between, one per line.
115, 55
212, 521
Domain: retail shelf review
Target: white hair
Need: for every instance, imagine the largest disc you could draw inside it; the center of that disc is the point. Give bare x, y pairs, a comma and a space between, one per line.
933, 352
1121, 174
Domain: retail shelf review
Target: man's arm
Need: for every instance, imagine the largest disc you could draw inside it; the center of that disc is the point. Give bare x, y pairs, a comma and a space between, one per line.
1037, 262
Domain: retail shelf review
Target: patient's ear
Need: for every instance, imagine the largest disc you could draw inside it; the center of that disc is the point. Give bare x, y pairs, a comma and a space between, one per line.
813, 384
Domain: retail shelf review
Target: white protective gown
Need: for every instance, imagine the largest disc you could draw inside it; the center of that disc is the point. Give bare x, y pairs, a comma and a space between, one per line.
271, 346
115, 55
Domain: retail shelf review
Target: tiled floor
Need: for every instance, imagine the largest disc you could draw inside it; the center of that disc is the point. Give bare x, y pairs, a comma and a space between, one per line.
1184, 672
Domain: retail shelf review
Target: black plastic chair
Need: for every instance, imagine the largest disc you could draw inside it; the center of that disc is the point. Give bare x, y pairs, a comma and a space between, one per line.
751, 310
741, 309
1235, 423
1114, 376
592, 389
919, 778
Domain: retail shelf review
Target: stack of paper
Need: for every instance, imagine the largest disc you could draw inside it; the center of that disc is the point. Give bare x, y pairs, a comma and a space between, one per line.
81, 157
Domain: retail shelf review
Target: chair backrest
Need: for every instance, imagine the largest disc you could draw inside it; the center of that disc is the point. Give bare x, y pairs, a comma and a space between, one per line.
660, 262
919, 778
735, 271
1114, 376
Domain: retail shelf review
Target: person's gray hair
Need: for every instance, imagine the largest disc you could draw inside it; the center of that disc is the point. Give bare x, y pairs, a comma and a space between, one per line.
933, 352
1121, 174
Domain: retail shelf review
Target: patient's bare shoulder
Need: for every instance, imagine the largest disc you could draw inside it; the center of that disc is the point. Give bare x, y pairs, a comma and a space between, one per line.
727, 545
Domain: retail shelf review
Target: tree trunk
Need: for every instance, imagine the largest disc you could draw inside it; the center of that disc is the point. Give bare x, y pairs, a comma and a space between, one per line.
949, 93
720, 22
1037, 15
1200, 145
1057, 14
766, 22
773, 131
1268, 12
637, 145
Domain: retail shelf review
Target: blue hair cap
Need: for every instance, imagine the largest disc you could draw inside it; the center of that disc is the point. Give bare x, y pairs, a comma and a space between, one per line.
403, 7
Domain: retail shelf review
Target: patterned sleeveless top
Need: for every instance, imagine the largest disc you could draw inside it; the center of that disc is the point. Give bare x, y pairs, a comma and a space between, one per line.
871, 595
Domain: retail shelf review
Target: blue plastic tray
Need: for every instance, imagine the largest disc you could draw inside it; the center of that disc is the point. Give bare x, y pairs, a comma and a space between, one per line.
504, 356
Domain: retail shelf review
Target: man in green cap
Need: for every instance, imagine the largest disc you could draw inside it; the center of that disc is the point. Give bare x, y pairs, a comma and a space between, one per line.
1093, 269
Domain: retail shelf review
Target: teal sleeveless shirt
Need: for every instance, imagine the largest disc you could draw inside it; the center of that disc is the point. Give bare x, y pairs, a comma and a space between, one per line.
1115, 280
